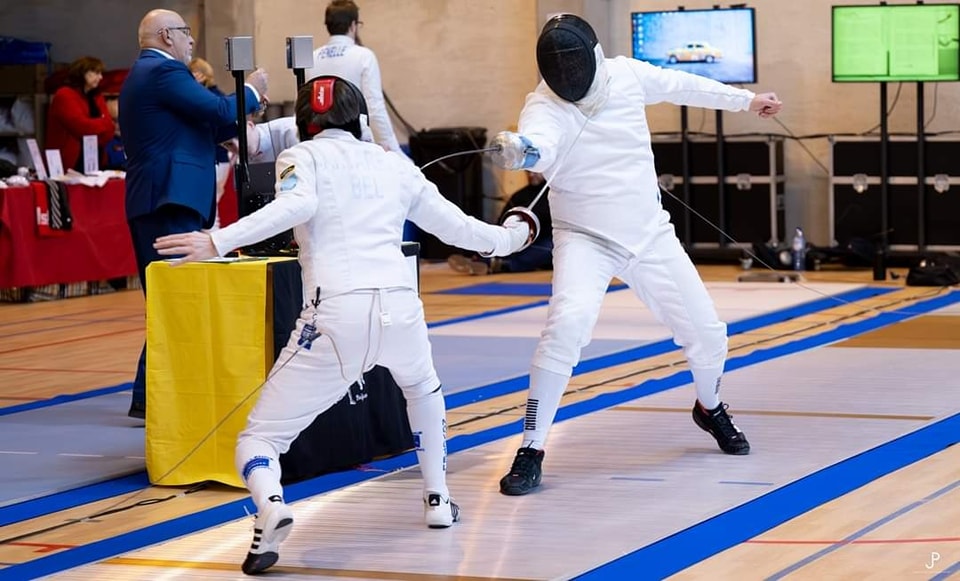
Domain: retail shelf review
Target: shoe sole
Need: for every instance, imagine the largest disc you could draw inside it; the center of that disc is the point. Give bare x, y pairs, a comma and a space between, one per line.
705, 428
455, 517
263, 561
517, 490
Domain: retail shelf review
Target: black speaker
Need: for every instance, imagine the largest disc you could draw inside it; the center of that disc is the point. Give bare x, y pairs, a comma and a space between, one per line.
459, 178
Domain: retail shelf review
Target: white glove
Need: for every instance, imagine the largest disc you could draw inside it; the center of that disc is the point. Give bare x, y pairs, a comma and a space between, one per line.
514, 151
524, 227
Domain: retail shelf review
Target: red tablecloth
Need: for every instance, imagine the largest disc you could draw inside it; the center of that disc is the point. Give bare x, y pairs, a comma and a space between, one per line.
97, 248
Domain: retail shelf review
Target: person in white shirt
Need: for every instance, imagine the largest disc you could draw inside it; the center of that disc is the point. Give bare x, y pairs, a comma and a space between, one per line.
344, 57
346, 201
265, 141
585, 129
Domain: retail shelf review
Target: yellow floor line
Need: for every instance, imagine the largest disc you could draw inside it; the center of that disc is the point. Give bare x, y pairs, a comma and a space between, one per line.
306, 571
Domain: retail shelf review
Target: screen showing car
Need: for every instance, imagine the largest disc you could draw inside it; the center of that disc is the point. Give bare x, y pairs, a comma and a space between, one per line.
907, 42
719, 44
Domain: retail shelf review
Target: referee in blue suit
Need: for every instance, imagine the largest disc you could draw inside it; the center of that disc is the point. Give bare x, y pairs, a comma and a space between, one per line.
172, 126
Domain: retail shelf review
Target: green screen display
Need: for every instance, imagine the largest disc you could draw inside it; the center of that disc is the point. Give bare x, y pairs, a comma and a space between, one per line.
908, 42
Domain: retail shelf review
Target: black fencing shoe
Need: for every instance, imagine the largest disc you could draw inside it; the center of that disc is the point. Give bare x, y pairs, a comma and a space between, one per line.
717, 423
271, 528
525, 473
439, 511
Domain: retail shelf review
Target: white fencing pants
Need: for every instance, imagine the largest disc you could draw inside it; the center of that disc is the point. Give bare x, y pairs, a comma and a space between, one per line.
358, 330
662, 276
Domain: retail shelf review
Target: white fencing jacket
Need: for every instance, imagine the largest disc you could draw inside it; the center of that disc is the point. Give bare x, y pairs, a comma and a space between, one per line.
607, 184
343, 57
346, 201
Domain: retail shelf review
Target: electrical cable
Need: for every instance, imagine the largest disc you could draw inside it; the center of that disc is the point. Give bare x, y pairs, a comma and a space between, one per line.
889, 111
936, 91
118, 506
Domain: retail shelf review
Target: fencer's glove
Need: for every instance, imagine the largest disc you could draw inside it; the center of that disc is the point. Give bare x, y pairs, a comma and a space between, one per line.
514, 151
524, 227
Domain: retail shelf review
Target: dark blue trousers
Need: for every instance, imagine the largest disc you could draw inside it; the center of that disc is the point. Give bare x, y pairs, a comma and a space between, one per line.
144, 230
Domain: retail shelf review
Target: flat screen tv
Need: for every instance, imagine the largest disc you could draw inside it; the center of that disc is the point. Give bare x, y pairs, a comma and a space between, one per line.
719, 44
890, 43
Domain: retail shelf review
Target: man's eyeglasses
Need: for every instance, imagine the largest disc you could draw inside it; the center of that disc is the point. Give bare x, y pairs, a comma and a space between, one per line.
186, 29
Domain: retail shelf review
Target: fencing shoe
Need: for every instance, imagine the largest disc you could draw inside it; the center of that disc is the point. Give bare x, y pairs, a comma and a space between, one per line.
717, 423
439, 511
525, 473
273, 525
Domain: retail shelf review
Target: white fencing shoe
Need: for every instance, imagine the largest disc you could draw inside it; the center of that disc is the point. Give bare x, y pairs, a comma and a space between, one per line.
271, 528
439, 511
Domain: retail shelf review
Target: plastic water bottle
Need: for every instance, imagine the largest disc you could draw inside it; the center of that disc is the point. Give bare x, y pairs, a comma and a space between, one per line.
799, 250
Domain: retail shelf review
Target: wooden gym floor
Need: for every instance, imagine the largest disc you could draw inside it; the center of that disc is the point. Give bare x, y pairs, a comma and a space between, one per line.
903, 523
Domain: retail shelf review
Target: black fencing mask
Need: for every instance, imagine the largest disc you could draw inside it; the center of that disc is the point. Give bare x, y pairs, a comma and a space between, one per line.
565, 56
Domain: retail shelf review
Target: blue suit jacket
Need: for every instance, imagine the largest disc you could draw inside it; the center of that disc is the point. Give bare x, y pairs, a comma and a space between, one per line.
170, 127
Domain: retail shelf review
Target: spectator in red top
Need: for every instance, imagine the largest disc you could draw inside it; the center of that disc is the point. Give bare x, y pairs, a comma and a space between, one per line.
77, 109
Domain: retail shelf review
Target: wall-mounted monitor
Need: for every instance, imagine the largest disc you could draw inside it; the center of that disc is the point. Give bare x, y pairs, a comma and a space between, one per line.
906, 42
720, 43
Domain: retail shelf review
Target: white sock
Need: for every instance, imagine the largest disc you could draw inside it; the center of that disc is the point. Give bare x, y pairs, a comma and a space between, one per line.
259, 467
546, 390
707, 381
428, 423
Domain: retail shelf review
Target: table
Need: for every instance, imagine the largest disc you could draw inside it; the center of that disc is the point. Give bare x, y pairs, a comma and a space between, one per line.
213, 332
97, 248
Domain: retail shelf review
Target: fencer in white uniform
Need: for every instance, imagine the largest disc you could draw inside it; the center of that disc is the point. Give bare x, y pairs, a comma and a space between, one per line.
585, 129
344, 57
346, 201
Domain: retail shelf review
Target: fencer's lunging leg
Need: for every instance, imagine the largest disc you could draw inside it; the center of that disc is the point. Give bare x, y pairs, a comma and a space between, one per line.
259, 466
406, 352
582, 268
428, 423
546, 390
667, 281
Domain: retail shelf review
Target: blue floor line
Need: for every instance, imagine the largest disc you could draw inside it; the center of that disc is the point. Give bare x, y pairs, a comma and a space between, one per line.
946, 573
64, 399
72, 498
486, 314
470, 396
520, 383
908, 449
888, 518
511, 385
704, 540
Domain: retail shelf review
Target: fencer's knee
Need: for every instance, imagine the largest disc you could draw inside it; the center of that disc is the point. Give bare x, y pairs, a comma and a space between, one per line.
429, 388
552, 364
253, 453
564, 337
711, 346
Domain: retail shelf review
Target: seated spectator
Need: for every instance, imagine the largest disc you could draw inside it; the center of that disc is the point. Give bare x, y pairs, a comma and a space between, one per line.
538, 256
78, 109
116, 158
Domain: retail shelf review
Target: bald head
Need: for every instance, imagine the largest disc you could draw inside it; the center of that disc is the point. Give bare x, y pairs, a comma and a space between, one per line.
167, 31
